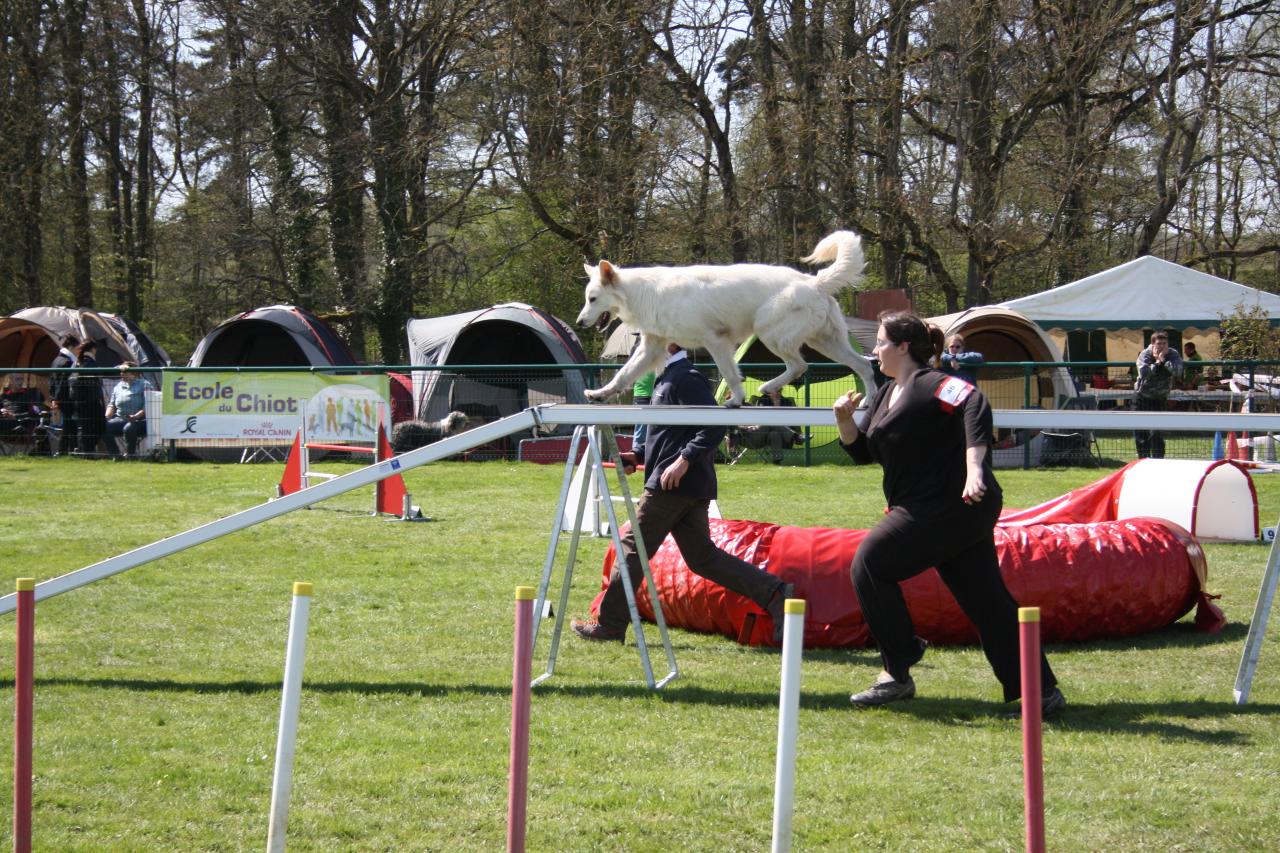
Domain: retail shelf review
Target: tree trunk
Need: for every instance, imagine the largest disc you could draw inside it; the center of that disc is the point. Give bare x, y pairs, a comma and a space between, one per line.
77, 156
778, 172
388, 134
140, 259
889, 190
344, 163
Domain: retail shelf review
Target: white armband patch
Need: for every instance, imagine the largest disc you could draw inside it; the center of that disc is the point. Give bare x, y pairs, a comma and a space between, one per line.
952, 393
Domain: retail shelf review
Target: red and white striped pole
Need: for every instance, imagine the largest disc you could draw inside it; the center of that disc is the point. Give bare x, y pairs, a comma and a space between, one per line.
518, 787
1032, 746
24, 684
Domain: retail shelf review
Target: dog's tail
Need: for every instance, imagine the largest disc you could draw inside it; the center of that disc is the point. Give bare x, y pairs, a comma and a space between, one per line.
844, 250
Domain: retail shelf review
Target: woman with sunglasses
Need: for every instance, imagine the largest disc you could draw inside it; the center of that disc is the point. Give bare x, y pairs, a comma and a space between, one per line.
960, 362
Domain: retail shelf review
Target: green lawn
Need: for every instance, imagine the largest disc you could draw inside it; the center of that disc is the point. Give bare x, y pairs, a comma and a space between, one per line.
158, 691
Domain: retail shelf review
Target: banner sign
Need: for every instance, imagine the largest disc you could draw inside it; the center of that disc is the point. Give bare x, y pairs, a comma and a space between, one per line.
268, 407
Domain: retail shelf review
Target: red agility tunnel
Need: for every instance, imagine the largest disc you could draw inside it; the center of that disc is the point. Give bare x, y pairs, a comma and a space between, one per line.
1090, 581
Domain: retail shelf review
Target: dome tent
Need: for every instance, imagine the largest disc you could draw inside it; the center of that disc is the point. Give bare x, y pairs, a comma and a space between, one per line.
272, 336
147, 352
25, 343
118, 338
508, 334
1005, 335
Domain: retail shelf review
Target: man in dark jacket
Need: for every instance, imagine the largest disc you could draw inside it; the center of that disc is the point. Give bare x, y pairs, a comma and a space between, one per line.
1159, 366
680, 483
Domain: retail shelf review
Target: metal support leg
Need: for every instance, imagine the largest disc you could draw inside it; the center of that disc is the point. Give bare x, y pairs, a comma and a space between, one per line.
1257, 626
595, 438
610, 443
539, 604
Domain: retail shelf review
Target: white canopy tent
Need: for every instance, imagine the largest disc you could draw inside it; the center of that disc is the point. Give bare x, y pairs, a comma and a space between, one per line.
1146, 293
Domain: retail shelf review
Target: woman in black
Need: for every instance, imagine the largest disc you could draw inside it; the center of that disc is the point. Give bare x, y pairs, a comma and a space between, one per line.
932, 434
60, 393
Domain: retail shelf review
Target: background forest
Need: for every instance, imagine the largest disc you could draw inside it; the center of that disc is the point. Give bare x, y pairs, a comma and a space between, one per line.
375, 160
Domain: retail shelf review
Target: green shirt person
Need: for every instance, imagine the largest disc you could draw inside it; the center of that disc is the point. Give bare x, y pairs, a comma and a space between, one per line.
642, 395
1191, 372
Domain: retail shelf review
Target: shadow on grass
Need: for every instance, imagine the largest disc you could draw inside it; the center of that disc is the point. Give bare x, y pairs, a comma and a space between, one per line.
1175, 636
1168, 720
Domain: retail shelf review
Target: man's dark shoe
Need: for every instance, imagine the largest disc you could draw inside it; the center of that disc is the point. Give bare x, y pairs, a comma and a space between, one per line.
884, 691
777, 608
1051, 704
590, 629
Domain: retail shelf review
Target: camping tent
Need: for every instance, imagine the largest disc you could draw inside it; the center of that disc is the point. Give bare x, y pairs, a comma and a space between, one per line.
272, 336
509, 334
1146, 293
1002, 334
147, 352
118, 338
25, 343
623, 339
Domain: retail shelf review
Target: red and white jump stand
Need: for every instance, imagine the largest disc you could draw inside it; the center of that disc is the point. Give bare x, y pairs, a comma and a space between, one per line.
390, 497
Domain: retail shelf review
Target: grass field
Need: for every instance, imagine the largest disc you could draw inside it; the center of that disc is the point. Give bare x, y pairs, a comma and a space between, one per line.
158, 691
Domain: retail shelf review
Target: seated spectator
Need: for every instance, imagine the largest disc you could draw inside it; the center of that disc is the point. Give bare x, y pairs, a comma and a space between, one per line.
127, 412
20, 406
959, 361
1190, 370
18, 398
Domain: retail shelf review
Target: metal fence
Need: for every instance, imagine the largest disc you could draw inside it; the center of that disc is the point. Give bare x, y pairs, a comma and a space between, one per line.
484, 393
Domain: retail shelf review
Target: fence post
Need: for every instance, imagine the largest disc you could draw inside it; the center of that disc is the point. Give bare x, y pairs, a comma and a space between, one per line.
808, 433
1026, 404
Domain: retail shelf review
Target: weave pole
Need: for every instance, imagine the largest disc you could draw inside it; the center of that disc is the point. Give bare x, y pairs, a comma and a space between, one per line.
518, 784
286, 740
784, 781
24, 685
1032, 747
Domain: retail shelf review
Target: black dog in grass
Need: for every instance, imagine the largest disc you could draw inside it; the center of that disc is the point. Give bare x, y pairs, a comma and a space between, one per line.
410, 435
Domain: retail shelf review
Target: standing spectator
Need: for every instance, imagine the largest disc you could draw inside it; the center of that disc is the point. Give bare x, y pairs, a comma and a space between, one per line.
1158, 368
86, 400
961, 362
127, 411
1191, 373
60, 392
680, 483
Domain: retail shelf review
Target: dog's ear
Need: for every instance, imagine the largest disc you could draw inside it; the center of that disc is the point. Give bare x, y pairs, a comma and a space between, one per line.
608, 275
590, 270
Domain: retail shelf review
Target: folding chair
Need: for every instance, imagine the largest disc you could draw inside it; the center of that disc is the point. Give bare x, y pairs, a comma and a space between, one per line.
767, 442
1073, 448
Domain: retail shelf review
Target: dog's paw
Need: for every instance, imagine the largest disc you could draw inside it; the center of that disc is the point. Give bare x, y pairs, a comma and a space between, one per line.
596, 395
732, 403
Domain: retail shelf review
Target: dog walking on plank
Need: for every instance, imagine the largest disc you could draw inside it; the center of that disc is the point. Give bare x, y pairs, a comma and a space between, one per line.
719, 307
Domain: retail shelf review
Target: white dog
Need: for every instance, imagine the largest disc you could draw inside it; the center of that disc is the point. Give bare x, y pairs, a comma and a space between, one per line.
719, 307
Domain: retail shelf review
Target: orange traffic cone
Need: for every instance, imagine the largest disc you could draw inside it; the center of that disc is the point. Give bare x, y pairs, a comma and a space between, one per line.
391, 490
292, 480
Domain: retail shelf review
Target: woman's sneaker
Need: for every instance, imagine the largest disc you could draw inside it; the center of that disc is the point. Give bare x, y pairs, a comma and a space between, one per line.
1051, 704
885, 690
